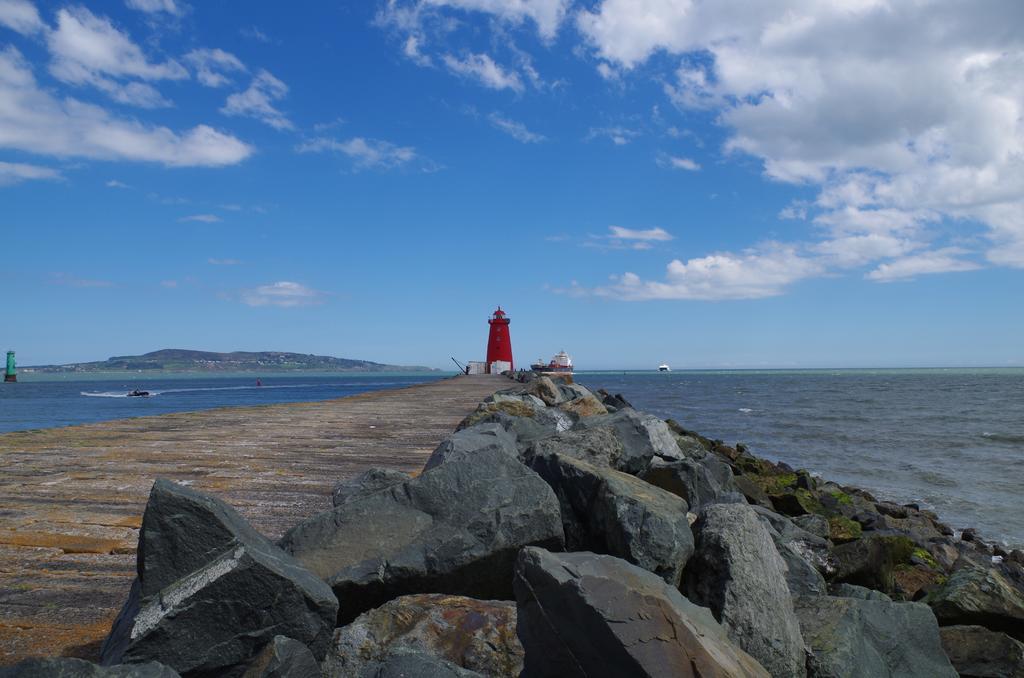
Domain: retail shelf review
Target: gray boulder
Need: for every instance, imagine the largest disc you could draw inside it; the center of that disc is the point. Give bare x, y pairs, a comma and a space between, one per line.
643, 437
974, 596
211, 591
581, 614
599, 446
479, 635
976, 652
525, 422
699, 481
806, 555
738, 573
607, 511
859, 592
814, 524
66, 667
409, 663
490, 436
852, 638
455, 528
283, 657
367, 482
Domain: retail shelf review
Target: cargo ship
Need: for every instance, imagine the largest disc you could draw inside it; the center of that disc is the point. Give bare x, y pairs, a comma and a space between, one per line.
560, 363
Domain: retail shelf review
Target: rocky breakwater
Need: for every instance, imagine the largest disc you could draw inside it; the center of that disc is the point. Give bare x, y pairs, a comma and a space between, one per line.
560, 532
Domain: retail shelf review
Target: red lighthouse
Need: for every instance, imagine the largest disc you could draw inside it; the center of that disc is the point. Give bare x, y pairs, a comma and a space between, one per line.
499, 345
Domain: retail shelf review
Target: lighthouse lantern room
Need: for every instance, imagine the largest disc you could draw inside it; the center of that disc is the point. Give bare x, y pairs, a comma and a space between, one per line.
499, 344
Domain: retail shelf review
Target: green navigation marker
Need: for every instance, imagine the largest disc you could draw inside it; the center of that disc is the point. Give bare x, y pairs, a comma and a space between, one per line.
11, 374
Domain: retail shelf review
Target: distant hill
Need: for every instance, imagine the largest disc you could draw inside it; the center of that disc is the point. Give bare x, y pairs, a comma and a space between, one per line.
181, 360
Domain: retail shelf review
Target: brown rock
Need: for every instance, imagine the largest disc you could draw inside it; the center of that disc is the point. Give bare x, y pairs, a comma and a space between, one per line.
977, 652
479, 635
586, 406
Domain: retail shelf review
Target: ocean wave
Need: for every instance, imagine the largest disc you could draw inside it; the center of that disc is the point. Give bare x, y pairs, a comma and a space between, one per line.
746, 410
1004, 438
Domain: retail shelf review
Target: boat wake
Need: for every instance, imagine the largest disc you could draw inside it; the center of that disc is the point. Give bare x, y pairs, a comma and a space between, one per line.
124, 394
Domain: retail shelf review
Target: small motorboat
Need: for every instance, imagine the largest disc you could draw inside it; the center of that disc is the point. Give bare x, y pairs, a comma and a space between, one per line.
138, 394
664, 368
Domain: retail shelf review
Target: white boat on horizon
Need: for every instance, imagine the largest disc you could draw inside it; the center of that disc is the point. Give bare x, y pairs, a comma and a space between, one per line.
664, 368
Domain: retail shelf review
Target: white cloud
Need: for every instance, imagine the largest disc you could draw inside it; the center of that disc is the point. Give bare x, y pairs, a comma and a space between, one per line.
657, 234
33, 120
204, 218
939, 261
223, 262
284, 294
620, 238
15, 172
114, 183
89, 50
852, 251
547, 14
903, 115
20, 16
74, 281
256, 102
365, 153
154, 6
754, 274
412, 50
675, 162
213, 66
620, 136
483, 69
516, 130
254, 33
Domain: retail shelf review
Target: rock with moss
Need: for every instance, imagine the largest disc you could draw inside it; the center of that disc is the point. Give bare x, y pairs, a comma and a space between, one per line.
842, 530
857, 638
753, 492
871, 560
477, 635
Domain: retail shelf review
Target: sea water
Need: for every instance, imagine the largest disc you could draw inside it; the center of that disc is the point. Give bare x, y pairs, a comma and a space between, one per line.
951, 440
45, 401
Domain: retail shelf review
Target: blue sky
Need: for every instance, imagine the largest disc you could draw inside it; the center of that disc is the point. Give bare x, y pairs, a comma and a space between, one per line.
796, 184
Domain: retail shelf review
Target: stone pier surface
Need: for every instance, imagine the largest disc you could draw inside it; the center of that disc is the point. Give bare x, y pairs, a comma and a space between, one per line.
71, 499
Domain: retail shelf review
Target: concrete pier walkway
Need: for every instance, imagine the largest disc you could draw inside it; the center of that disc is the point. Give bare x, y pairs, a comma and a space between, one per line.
71, 499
